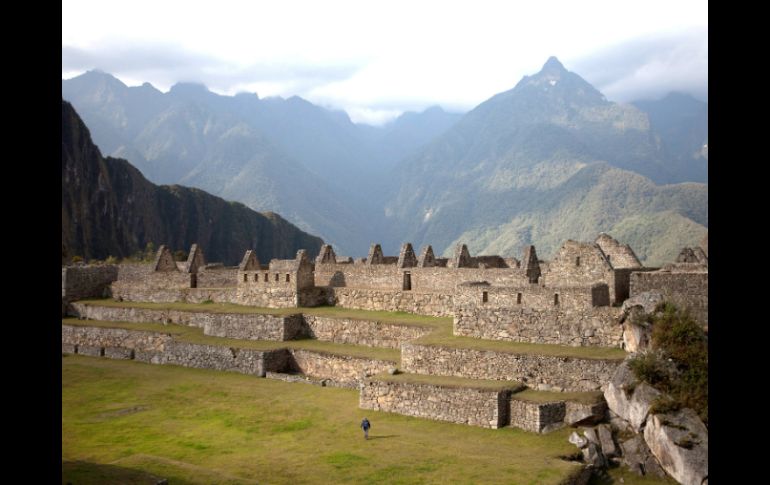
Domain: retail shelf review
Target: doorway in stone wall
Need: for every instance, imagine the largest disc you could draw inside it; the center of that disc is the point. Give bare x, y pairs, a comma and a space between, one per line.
407, 281
193, 280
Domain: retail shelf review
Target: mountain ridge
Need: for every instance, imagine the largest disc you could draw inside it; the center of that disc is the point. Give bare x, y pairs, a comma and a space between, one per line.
110, 209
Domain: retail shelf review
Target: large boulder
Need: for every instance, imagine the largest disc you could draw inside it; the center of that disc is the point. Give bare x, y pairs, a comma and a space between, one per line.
582, 414
628, 398
605, 440
637, 457
592, 455
636, 331
646, 302
680, 442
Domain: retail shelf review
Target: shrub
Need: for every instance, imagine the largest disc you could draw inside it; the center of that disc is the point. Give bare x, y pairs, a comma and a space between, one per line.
679, 364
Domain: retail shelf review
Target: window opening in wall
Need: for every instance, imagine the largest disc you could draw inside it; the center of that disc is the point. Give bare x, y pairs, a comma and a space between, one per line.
276, 277
256, 277
288, 278
577, 261
518, 298
608, 258
556, 299
407, 281
245, 277
193, 280
265, 277
484, 297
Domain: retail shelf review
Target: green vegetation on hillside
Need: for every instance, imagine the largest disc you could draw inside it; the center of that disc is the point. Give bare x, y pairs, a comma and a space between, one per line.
678, 365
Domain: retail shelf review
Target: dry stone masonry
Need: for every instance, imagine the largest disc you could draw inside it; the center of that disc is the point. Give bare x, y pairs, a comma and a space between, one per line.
586, 296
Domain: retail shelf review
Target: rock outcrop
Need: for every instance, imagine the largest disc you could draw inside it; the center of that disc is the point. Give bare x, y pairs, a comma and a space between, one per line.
680, 442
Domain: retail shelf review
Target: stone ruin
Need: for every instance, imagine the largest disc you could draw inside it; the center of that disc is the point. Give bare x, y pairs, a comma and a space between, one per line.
573, 300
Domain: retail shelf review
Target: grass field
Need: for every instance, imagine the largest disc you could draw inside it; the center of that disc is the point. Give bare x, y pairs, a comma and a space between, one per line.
127, 419
128, 422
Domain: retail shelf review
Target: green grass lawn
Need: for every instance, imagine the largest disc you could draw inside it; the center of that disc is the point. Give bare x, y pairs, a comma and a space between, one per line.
450, 381
128, 422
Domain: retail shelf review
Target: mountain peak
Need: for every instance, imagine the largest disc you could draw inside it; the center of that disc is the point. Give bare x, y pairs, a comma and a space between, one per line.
552, 66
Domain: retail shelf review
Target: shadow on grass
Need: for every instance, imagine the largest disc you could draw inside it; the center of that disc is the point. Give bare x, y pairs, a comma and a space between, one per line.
373, 437
84, 473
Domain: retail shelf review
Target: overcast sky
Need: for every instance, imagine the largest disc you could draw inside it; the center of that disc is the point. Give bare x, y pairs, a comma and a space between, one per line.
378, 59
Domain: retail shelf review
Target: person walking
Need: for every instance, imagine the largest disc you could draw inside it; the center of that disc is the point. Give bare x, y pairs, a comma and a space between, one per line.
365, 425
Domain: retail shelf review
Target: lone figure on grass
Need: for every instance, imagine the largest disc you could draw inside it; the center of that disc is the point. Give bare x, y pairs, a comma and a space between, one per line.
365, 425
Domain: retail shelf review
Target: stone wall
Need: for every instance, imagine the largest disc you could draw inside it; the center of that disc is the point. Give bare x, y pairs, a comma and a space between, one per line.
133, 271
371, 333
433, 279
134, 292
254, 326
686, 290
420, 302
542, 372
476, 407
619, 255
577, 328
250, 326
158, 348
536, 417
245, 361
272, 295
218, 277
528, 314
530, 296
345, 370
99, 337
578, 264
78, 282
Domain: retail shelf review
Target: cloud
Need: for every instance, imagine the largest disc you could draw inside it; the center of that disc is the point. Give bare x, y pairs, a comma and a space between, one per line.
649, 67
166, 64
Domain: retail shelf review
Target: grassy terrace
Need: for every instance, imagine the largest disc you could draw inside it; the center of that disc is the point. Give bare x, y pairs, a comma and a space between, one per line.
443, 338
195, 335
336, 312
546, 396
453, 382
124, 420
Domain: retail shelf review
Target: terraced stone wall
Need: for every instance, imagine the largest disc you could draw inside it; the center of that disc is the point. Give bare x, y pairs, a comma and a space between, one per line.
477, 407
345, 370
371, 333
158, 348
536, 417
542, 372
